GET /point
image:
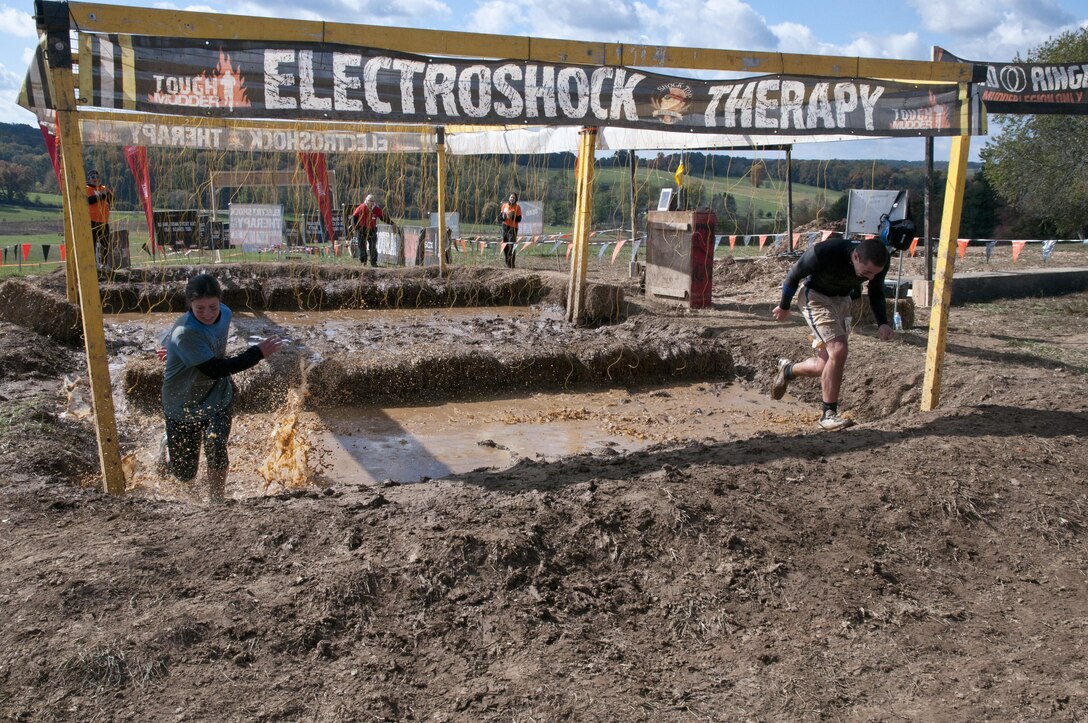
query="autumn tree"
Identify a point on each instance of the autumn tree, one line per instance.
(15, 180)
(1036, 162)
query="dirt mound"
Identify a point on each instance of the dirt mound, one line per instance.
(756, 275)
(920, 565)
(26, 354)
(47, 313)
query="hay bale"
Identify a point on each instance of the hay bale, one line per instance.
(42, 311)
(863, 312)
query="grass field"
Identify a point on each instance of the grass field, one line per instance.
(34, 253)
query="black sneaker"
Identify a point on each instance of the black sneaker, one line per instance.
(778, 387)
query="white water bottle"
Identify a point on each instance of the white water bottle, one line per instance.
(897, 319)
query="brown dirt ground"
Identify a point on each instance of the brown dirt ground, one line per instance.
(919, 566)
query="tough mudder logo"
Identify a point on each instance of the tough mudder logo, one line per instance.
(224, 88)
(935, 116)
(671, 102)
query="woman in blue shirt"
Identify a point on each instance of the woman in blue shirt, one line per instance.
(197, 392)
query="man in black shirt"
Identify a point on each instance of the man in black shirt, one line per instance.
(832, 272)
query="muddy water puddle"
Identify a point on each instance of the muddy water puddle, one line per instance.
(368, 445)
(406, 444)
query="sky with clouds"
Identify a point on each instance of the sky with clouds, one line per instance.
(993, 30)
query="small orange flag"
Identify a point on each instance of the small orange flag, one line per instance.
(913, 247)
(1017, 247)
(961, 244)
(762, 240)
(617, 251)
(732, 242)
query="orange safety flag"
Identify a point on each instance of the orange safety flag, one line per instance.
(1017, 247)
(463, 245)
(913, 246)
(826, 233)
(732, 242)
(63, 254)
(961, 244)
(762, 240)
(26, 251)
(617, 251)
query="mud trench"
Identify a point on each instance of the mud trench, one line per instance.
(395, 387)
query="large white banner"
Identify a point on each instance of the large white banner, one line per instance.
(255, 227)
(532, 218)
(453, 223)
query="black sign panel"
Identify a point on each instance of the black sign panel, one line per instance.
(179, 229)
(1036, 88)
(246, 79)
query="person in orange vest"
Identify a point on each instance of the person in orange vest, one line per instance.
(100, 198)
(365, 218)
(510, 217)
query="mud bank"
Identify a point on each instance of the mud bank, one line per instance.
(377, 358)
(272, 287)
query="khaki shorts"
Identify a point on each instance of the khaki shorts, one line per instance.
(827, 316)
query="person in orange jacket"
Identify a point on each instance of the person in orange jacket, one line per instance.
(100, 198)
(510, 217)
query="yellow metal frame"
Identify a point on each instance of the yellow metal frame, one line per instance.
(99, 18)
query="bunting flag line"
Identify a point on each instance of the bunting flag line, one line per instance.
(1017, 247)
(762, 240)
(732, 242)
(961, 245)
(990, 245)
(1048, 247)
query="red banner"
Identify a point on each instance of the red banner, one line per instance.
(51, 146)
(137, 162)
(318, 173)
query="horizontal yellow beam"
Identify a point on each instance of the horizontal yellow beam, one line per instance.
(95, 18)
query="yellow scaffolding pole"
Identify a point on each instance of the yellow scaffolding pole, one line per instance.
(85, 263)
(583, 218)
(946, 261)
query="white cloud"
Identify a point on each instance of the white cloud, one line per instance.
(708, 24)
(965, 17)
(18, 23)
(996, 30)
(499, 16)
